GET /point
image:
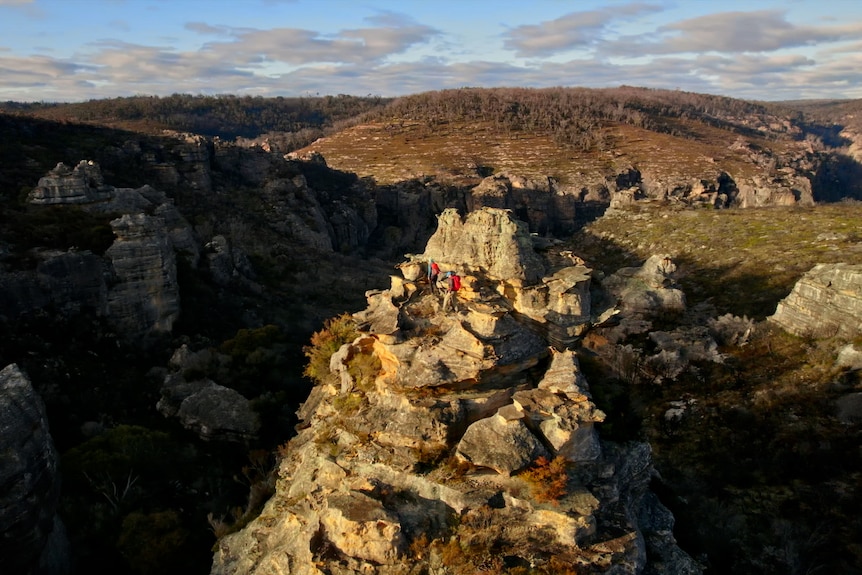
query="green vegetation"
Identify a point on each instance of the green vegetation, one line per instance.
(474, 543)
(573, 116)
(759, 473)
(741, 261)
(59, 228)
(336, 332)
(298, 120)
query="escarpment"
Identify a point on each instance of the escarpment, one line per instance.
(451, 440)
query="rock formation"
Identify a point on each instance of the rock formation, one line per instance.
(213, 411)
(32, 538)
(134, 284)
(430, 445)
(539, 203)
(146, 295)
(82, 184)
(826, 301)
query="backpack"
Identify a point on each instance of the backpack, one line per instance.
(456, 282)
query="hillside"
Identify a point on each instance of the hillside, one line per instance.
(581, 138)
(227, 117)
(272, 248)
(465, 134)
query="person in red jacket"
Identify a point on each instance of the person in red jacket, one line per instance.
(433, 275)
(451, 298)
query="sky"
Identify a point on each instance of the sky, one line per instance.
(77, 50)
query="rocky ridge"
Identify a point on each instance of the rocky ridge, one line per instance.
(415, 455)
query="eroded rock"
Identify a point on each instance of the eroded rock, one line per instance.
(825, 302)
(30, 531)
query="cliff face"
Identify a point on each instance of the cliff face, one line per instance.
(134, 285)
(430, 446)
(33, 538)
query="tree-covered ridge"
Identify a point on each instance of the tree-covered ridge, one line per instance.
(576, 116)
(226, 116)
(572, 116)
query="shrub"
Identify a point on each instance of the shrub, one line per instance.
(247, 341)
(547, 479)
(364, 369)
(336, 332)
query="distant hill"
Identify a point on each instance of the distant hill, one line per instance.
(571, 134)
(227, 116)
(566, 134)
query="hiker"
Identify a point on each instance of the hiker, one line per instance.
(433, 274)
(453, 285)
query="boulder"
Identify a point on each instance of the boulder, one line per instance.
(566, 425)
(212, 411)
(490, 240)
(546, 208)
(361, 527)
(849, 358)
(504, 445)
(82, 184)
(646, 290)
(825, 302)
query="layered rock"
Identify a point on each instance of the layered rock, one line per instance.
(417, 453)
(134, 285)
(546, 209)
(826, 301)
(82, 184)
(489, 240)
(146, 295)
(32, 538)
(494, 252)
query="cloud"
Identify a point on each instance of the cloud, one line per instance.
(390, 34)
(24, 76)
(571, 31)
(732, 32)
(207, 29)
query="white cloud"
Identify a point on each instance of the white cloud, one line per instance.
(733, 32)
(571, 31)
(759, 54)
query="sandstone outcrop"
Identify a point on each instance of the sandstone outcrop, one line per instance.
(134, 284)
(82, 184)
(145, 296)
(546, 209)
(416, 453)
(825, 302)
(212, 411)
(495, 253)
(32, 538)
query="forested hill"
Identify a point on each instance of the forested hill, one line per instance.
(227, 117)
(576, 116)
(573, 116)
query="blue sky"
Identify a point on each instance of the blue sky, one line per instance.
(73, 50)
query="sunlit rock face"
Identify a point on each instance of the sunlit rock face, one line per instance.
(826, 301)
(423, 439)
